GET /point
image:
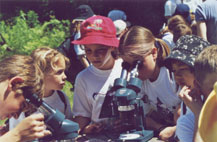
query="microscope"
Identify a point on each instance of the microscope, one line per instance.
(61, 128)
(122, 102)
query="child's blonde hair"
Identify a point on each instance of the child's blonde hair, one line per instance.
(139, 41)
(46, 58)
(206, 63)
(24, 67)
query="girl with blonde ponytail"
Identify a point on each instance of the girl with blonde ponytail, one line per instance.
(159, 86)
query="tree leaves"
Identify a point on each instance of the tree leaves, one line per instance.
(24, 33)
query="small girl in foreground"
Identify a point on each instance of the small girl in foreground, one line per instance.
(53, 64)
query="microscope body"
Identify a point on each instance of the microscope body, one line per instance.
(61, 128)
(127, 106)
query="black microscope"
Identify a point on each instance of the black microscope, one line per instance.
(61, 128)
(122, 102)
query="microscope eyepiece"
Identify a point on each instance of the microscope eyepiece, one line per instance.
(126, 66)
(137, 64)
(34, 99)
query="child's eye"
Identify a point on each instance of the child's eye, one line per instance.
(100, 51)
(60, 72)
(184, 70)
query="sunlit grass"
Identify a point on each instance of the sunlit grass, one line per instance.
(68, 91)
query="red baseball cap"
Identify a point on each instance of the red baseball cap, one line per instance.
(98, 30)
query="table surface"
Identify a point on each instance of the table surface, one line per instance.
(104, 138)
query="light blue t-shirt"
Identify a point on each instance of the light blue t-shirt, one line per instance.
(207, 12)
(185, 127)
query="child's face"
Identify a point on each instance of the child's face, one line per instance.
(11, 104)
(183, 74)
(55, 79)
(147, 69)
(100, 56)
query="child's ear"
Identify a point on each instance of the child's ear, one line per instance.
(154, 53)
(15, 80)
(11, 83)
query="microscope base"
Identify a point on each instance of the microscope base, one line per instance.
(137, 136)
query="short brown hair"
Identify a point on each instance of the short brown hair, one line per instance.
(22, 66)
(206, 63)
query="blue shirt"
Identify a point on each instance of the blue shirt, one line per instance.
(207, 12)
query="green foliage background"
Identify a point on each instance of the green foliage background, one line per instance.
(24, 33)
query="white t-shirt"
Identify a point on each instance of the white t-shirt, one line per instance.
(93, 81)
(55, 102)
(163, 89)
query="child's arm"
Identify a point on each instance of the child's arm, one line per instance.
(193, 100)
(165, 132)
(86, 127)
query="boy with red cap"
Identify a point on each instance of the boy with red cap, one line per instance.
(98, 35)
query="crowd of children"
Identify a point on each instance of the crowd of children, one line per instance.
(177, 76)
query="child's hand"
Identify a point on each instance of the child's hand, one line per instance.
(192, 99)
(31, 127)
(167, 133)
(93, 128)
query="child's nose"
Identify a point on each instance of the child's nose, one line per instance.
(64, 76)
(96, 54)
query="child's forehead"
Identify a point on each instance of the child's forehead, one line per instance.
(58, 63)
